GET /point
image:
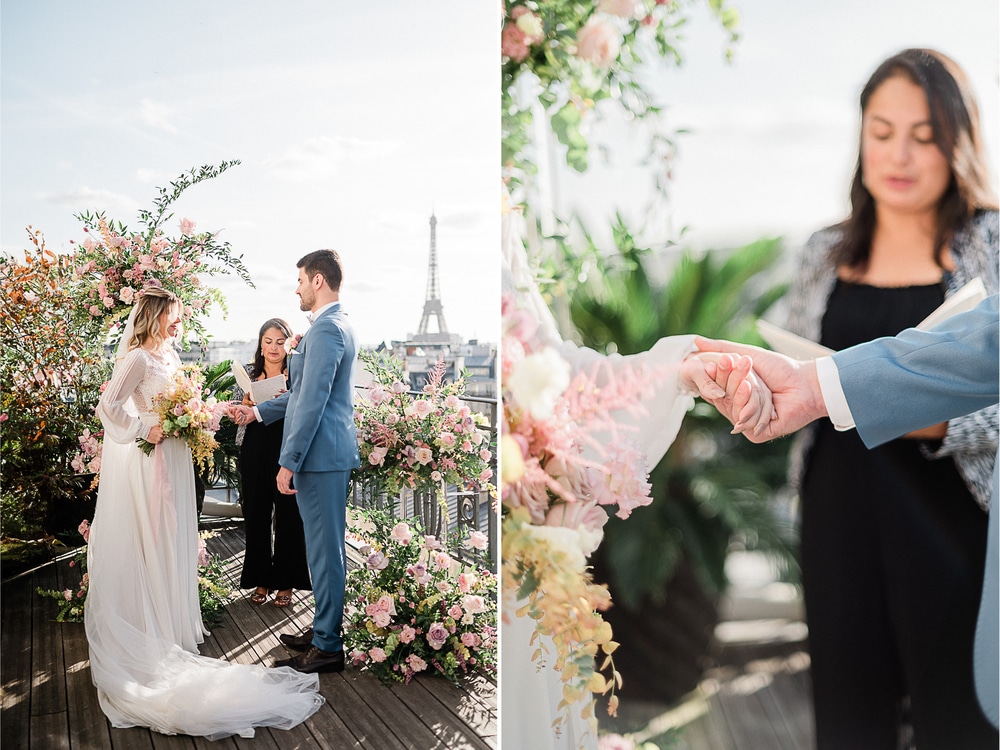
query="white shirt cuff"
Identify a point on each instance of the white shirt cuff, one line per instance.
(256, 413)
(833, 394)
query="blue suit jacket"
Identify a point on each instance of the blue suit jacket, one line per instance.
(917, 379)
(318, 408)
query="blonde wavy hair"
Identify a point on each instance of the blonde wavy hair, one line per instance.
(151, 305)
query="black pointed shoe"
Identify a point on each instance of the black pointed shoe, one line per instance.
(299, 641)
(315, 660)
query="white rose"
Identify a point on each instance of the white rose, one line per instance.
(538, 381)
(565, 543)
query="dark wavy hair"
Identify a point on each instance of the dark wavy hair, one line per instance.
(258, 357)
(955, 122)
(326, 262)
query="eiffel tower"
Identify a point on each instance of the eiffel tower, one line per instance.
(432, 303)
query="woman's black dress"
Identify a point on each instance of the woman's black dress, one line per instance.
(893, 547)
(281, 566)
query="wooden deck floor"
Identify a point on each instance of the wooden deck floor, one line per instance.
(49, 700)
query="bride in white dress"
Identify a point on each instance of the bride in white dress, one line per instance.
(142, 614)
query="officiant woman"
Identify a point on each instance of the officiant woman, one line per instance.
(894, 539)
(275, 557)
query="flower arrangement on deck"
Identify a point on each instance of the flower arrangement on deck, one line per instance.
(564, 464)
(412, 607)
(419, 441)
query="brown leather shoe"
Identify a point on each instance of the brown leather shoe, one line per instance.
(315, 660)
(299, 641)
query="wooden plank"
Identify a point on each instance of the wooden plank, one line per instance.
(447, 729)
(742, 714)
(88, 728)
(364, 723)
(383, 701)
(48, 672)
(133, 738)
(15, 637)
(171, 741)
(790, 708)
(466, 707)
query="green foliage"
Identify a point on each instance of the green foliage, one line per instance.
(568, 83)
(712, 489)
(219, 382)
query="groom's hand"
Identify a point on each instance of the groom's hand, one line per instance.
(794, 387)
(733, 388)
(285, 481)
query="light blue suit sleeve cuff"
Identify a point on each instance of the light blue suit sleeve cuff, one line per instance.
(833, 394)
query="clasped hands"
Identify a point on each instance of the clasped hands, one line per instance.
(764, 394)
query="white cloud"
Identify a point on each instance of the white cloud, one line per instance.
(85, 198)
(322, 157)
(157, 114)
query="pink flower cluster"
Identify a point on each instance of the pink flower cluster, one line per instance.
(89, 457)
(420, 608)
(419, 441)
(566, 463)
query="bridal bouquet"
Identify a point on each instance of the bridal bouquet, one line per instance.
(186, 415)
(565, 462)
(419, 441)
(412, 607)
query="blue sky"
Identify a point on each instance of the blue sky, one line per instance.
(773, 136)
(352, 120)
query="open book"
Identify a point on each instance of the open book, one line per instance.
(798, 347)
(259, 390)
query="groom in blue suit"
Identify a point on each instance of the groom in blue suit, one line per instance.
(886, 388)
(318, 450)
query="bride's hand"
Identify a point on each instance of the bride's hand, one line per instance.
(747, 402)
(155, 435)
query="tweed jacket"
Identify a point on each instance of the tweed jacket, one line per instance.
(971, 440)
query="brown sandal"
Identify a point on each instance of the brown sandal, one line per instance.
(257, 597)
(283, 600)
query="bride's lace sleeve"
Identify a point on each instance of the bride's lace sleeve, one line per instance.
(119, 425)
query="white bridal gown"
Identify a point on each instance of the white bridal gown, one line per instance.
(532, 693)
(142, 616)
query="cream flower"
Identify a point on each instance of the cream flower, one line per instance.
(538, 381)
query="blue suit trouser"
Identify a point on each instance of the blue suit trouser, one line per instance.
(322, 500)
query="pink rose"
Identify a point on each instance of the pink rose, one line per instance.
(95, 310)
(443, 586)
(377, 561)
(421, 407)
(455, 612)
(466, 581)
(512, 44)
(485, 475)
(108, 302)
(382, 619)
(399, 387)
(479, 540)
(452, 401)
(377, 456)
(598, 42)
(127, 294)
(423, 456)
(407, 634)
(95, 466)
(68, 595)
(401, 533)
(447, 438)
(416, 663)
(187, 227)
(377, 655)
(485, 454)
(471, 640)
(358, 657)
(436, 476)
(442, 560)
(431, 542)
(437, 635)
(474, 605)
